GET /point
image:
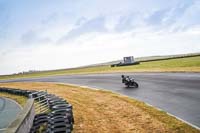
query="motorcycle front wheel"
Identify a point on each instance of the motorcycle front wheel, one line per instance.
(135, 85)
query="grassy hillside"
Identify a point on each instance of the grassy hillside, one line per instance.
(151, 58)
(186, 64)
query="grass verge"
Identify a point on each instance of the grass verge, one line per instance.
(105, 112)
(19, 99)
(187, 64)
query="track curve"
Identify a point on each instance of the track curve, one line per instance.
(8, 112)
(3, 101)
(176, 93)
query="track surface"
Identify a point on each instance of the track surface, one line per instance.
(176, 93)
(8, 112)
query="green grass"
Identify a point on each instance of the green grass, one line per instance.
(187, 64)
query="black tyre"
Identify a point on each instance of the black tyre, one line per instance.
(136, 85)
(127, 86)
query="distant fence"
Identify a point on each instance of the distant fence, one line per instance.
(24, 120)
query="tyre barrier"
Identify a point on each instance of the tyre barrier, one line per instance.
(59, 119)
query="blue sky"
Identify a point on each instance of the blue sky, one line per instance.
(53, 34)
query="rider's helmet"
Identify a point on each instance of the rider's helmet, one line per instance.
(122, 76)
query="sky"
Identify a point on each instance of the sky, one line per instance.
(54, 34)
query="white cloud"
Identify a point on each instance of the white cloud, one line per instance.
(100, 47)
(97, 31)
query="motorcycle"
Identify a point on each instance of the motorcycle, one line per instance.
(129, 82)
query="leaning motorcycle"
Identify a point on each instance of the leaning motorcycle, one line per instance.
(129, 82)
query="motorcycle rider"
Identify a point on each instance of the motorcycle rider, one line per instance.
(126, 79)
(123, 79)
(129, 81)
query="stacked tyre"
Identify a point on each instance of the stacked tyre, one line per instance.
(16, 91)
(60, 119)
(39, 120)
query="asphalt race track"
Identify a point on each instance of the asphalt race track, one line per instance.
(8, 112)
(176, 93)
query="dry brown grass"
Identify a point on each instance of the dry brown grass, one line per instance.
(19, 99)
(98, 111)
